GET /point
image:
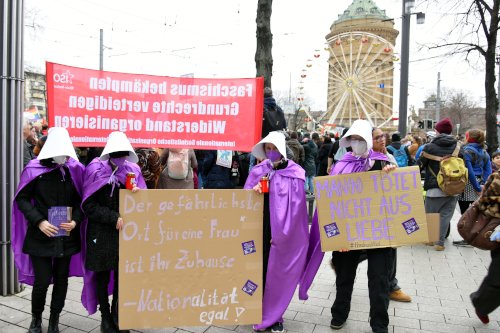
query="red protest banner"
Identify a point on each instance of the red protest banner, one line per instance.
(155, 111)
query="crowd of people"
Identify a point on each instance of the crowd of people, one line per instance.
(88, 180)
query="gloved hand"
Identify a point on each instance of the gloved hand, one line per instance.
(495, 236)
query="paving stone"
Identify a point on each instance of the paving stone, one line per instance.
(12, 316)
(443, 327)
(79, 322)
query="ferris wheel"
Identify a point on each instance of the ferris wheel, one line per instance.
(360, 79)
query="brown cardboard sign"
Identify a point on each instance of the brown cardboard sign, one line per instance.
(371, 209)
(190, 258)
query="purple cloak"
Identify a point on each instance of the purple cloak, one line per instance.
(96, 176)
(20, 225)
(289, 233)
(348, 164)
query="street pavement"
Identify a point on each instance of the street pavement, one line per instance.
(438, 282)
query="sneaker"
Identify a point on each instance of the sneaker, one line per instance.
(439, 247)
(461, 243)
(277, 328)
(484, 318)
(399, 296)
(336, 325)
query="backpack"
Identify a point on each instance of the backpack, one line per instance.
(178, 163)
(272, 120)
(453, 175)
(400, 155)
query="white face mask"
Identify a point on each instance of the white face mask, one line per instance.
(359, 147)
(59, 159)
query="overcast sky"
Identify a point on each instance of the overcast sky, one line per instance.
(216, 39)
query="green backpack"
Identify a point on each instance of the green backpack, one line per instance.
(453, 175)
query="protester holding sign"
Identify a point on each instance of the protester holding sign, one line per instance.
(361, 159)
(285, 226)
(395, 292)
(104, 177)
(43, 251)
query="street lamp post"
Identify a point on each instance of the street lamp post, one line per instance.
(405, 60)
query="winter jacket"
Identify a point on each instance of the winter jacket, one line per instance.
(102, 236)
(311, 153)
(441, 145)
(323, 158)
(298, 151)
(47, 190)
(215, 176)
(270, 104)
(478, 163)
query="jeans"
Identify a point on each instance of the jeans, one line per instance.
(309, 187)
(49, 269)
(379, 263)
(445, 206)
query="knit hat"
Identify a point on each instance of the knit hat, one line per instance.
(396, 137)
(444, 126)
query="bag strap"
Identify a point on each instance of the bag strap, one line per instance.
(457, 149)
(432, 157)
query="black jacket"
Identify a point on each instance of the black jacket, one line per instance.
(102, 237)
(45, 191)
(311, 152)
(215, 176)
(323, 158)
(441, 145)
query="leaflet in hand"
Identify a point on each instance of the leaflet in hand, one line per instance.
(58, 215)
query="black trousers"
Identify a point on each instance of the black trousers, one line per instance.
(464, 205)
(487, 298)
(379, 265)
(102, 284)
(47, 270)
(393, 281)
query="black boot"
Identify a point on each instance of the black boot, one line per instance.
(114, 314)
(36, 324)
(107, 324)
(53, 323)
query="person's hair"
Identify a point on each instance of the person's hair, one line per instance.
(315, 136)
(268, 92)
(417, 139)
(495, 154)
(294, 135)
(327, 139)
(476, 135)
(39, 145)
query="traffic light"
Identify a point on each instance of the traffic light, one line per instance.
(429, 124)
(421, 124)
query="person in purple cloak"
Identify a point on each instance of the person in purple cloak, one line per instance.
(285, 237)
(361, 159)
(104, 177)
(44, 252)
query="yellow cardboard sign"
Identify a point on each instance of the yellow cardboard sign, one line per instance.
(190, 258)
(371, 209)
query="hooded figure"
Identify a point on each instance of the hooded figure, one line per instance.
(104, 177)
(43, 249)
(361, 159)
(285, 227)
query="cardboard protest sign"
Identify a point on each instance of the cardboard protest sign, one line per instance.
(371, 209)
(190, 258)
(433, 226)
(155, 111)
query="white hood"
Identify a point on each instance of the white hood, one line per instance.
(359, 127)
(58, 144)
(277, 139)
(118, 141)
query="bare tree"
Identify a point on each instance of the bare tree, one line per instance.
(478, 25)
(460, 108)
(263, 53)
